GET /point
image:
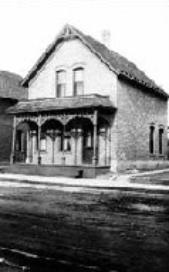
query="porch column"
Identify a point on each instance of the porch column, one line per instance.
(39, 137)
(28, 147)
(31, 145)
(95, 139)
(63, 151)
(76, 133)
(12, 157)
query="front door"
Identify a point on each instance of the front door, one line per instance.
(21, 146)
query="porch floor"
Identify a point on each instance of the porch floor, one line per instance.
(76, 171)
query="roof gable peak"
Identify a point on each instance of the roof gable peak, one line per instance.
(67, 31)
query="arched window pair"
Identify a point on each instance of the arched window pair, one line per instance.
(78, 82)
(160, 139)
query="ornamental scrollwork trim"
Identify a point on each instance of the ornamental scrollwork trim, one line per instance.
(26, 118)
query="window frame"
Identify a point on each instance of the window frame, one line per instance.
(63, 139)
(75, 89)
(61, 84)
(43, 137)
(151, 140)
(160, 138)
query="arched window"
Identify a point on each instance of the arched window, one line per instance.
(151, 140)
(60, 83)
(78, 81)
(161, 131)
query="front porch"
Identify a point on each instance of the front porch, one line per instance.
(77, 141)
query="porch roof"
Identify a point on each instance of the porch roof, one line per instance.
(66, 103)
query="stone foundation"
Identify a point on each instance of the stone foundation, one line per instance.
(123, 166)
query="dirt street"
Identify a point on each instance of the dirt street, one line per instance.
(52, 230)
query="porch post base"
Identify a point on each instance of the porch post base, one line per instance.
(94, 161)
(39, 160)
(63, 160)
(12, 159)
(113, 166)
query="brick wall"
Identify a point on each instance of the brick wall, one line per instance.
(137, 109)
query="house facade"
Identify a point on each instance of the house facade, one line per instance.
(88, 108)
(10, 93)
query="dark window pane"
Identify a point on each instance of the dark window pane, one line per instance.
(161, 141)
(78, 81)
(61, 83)
(78, 88)
(151, 140)
(61, 90)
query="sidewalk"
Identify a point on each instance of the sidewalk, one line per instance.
(114, 182)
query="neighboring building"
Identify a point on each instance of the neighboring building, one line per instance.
(89, 108)
(10, 93)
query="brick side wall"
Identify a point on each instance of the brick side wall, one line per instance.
(6, 123)
(136, 111)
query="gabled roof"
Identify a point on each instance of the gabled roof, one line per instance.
(122, 67)
(66, 103)
(10, 86)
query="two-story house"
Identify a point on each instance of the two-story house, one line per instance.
(88, 108)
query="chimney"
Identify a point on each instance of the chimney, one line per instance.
(106, 37)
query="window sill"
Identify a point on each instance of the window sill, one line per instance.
(67, 152)
(152, 155)
(161, 156)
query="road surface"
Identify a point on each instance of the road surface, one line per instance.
(45, 229)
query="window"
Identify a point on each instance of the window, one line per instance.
(78, 85)
(161, 131)
(88, 141)
(65, 142)
(151, 140)
(20, 141)
(60, 83)
(43, 143)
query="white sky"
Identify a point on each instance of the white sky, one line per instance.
(139, 30)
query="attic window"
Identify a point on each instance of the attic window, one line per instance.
(78, 84)
(60, 83)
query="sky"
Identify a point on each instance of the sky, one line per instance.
(139, 31)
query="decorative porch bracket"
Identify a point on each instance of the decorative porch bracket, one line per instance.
(65, 118)
(26, 118)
